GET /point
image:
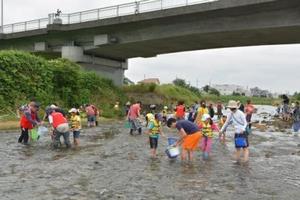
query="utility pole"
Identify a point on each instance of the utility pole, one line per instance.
(2, 16)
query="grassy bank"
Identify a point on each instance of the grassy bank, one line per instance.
(24, 76)
(159, 94)
(169, 93)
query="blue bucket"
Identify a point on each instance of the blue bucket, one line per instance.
(172, 140)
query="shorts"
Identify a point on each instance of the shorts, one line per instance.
(248, 118)
(91, 118)
(135, 124)
(76, 134)
(296, 126)
(244, 135)
(191, 142)
(63, 128)
(153, 142)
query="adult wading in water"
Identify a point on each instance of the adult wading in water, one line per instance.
(28, 121)
(190, 136)
(60, 127)
(238, 119)
(133, 117)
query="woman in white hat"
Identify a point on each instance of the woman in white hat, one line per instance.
(238, 119)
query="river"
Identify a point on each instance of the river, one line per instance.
(110, 164)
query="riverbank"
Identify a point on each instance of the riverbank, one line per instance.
(167, 94)
(14, 125)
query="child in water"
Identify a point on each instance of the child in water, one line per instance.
(208, 127)
(154, 130)
(222, 134)
(150, 115)
(75, 125)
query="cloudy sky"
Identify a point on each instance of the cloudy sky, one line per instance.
(276, 68)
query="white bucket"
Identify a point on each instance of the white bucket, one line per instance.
(42, 131)
(173, 152)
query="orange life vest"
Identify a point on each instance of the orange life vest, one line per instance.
(58, 119)
(25, 123)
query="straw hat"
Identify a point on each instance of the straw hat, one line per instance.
(232, 104)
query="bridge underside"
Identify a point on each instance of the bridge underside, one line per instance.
(151, 48)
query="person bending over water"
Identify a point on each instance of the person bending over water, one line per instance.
(190, 136)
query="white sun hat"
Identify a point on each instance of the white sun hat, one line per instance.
(73, 110)
(205, 117)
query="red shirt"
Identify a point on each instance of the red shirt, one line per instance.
(134, 111)
(90, 110)
(180, 111)
(249, 109)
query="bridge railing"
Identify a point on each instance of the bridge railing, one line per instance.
(142, 6)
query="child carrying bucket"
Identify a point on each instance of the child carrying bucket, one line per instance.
(154, 130)
(207, 127)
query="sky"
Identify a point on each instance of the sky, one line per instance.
(276, 68)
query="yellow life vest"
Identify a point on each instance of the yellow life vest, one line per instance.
(155, 130)
(150, 117)
(200, 112)
(207, 130)
(75, 122)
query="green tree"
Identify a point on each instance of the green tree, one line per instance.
(214, 91)
(180, 82)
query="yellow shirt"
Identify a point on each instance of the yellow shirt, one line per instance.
(75, 122)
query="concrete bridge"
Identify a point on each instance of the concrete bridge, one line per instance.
(103, 39)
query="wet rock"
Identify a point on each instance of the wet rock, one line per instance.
(269, 155)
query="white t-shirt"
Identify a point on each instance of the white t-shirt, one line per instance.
(50, 118)
(238, 119)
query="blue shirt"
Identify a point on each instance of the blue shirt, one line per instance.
(189, 127)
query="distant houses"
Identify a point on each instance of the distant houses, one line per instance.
(257, 92)
(150, 81)
(230, 89)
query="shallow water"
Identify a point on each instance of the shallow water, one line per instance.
(110, 164)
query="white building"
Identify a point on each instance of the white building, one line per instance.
(229, 89)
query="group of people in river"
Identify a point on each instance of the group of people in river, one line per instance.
(60, 123)
(198, 124)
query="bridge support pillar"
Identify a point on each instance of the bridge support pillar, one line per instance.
(108, 68)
